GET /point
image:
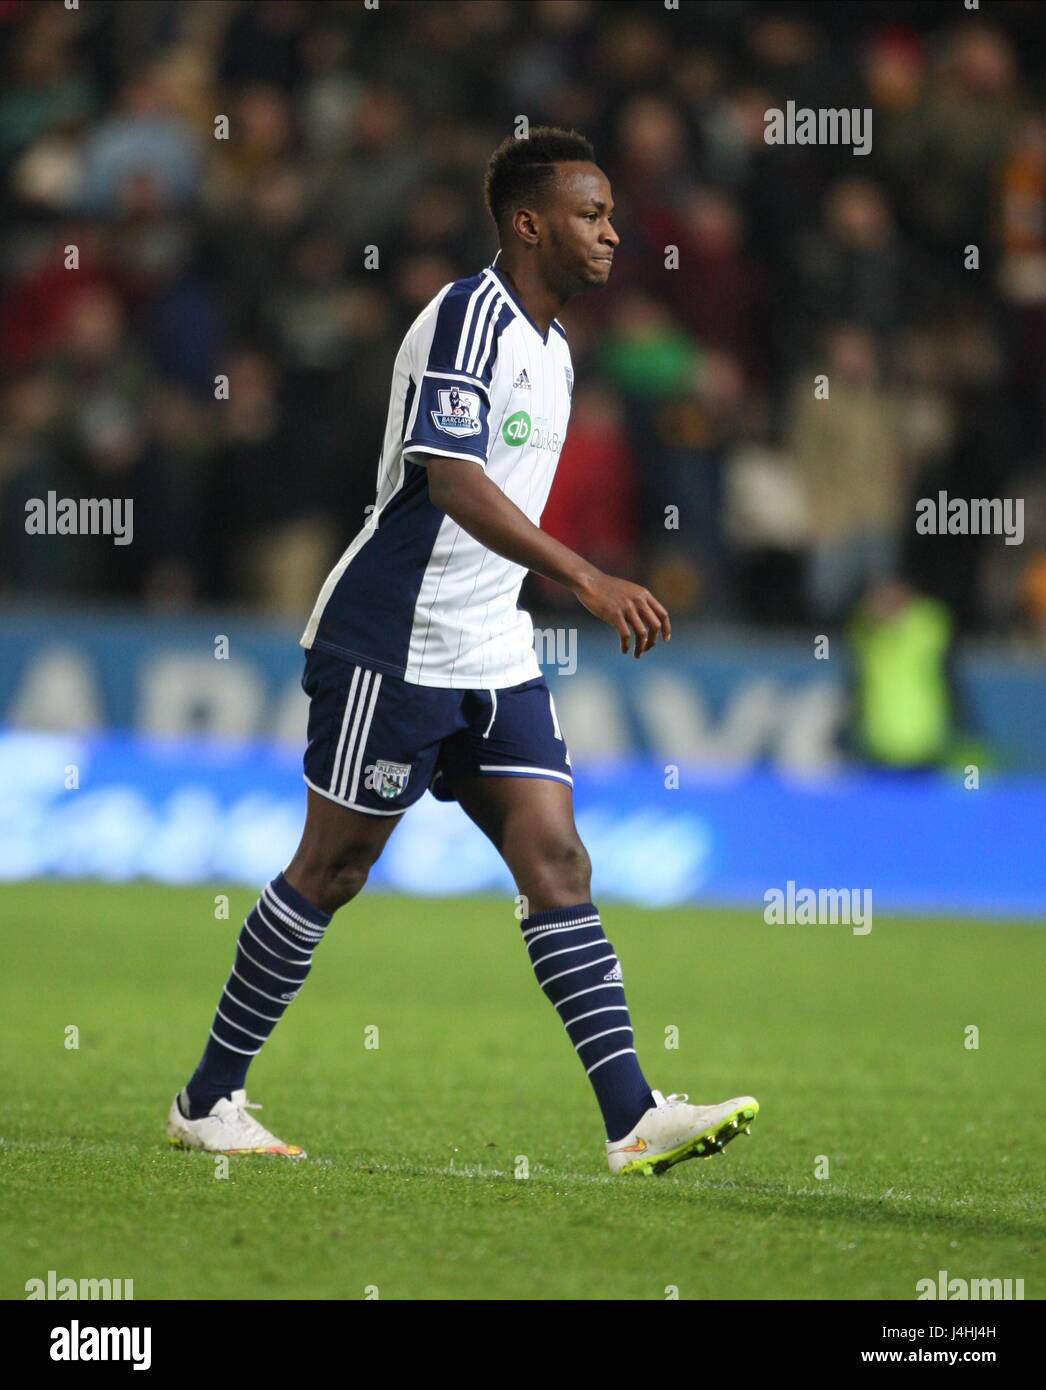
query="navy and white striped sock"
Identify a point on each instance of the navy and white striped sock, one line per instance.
(273, 958)
(576, 967)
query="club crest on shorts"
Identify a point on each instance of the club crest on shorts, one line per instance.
(387, 779)
(458, 412)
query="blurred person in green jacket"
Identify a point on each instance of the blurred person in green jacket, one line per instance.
(905, 706)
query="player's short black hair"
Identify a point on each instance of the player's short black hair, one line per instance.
(521, 171)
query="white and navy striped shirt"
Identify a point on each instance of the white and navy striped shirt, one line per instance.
(415, 595)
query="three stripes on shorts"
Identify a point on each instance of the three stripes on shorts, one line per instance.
(355, 728)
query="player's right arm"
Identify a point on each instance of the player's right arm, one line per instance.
(464, 492)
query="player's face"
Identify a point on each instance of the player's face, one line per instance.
(581, 240)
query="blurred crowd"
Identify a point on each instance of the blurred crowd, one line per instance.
(143, 256)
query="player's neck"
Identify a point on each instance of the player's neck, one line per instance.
(541, 303)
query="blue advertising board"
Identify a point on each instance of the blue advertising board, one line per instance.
(739, 700)
(120, 806)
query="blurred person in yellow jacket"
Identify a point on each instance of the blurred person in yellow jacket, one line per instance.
(905, 706)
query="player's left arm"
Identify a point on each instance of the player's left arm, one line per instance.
(464, 492)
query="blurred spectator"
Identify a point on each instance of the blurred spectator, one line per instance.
(694, 433)
(143, 155)
(263, 43)
(281, 542)
(45, 88)
(260, 144)
(847, 450)
(1022, 276)
(848, 270)
(32, 462)
(959, 137)
(765, 522)
(1032, 597)
(904, 705)
(593, 506)
(717, 289)
(646, 354)
(363, 195)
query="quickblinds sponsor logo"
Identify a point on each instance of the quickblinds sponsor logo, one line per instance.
(546, 439)
(516, 429)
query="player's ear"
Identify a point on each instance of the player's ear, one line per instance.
(525, 226)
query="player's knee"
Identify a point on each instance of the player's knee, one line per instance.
(579, 871)
(347, 874)
(333, 878)
(562, 876)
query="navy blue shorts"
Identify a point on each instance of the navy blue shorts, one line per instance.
(376, 741)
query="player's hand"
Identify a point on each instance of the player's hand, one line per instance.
(628, 608)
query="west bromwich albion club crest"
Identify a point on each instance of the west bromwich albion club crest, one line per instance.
(570, 382)
(458, 412)
(388, 779)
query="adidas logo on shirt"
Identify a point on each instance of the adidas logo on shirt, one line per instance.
(522, 381)
(614, 974)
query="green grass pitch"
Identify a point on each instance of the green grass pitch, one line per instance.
(854, 1047)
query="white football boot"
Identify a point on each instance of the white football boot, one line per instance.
(671, 1131)
(228, 1129)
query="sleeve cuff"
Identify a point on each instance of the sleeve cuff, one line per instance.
(445, 453)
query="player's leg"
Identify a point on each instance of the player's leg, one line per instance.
(363, 767)
(274, 950)
(337, 851)
(512, 776)
(530, 821)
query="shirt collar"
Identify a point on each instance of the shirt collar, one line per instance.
(511, 296)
